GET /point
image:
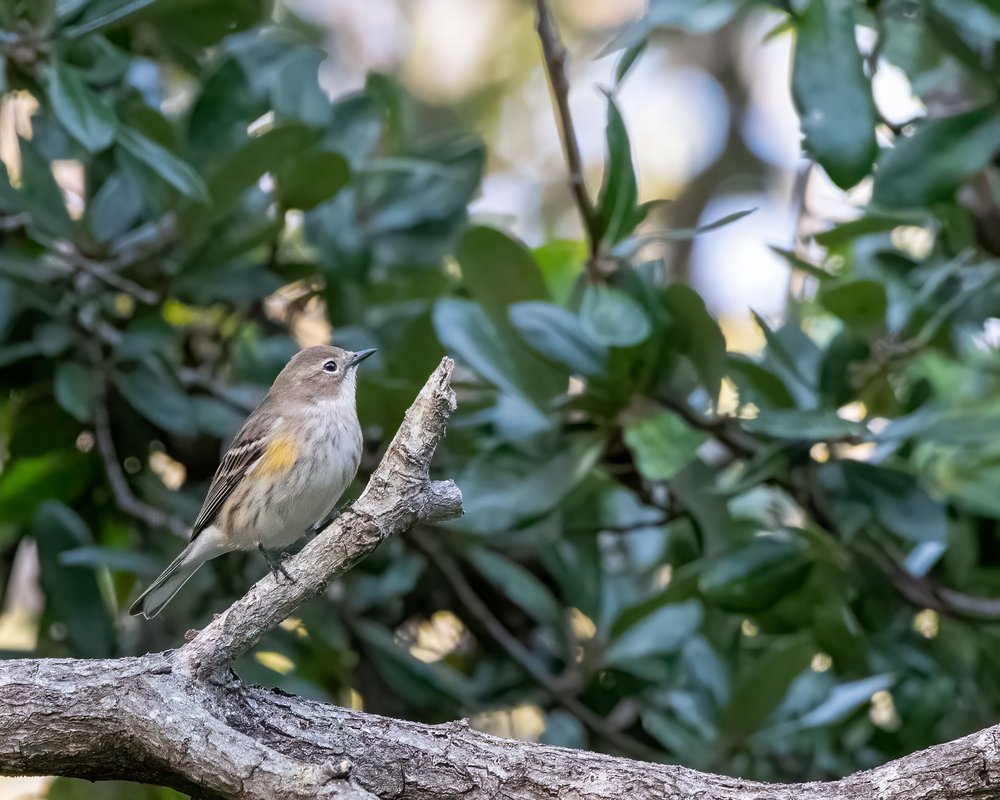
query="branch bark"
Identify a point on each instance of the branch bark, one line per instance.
(139, 719)
(183, 719)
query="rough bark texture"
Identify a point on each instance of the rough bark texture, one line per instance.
(183, 719)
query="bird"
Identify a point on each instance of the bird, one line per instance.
(283, 473)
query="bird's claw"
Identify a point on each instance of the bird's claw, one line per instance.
(275, 563)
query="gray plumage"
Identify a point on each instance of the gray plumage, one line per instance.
(286, 468)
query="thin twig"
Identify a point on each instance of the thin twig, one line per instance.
(721, 428)
(124, 498)
(523, 657)
(106, 275)
(241, 399)
(554, 56)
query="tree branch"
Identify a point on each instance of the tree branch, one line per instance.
(138, 719)
(182, 719)
(124, 499)
(524, 657)
(554, 58)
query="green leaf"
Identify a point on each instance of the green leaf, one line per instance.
(216, 418)
(679, 740)
(616, 210)
(76, 390)
(755, 577)
(53, 337)
(112, 13)
(39, 194)
(172, 169)
(27, 482)
(660, 633)
(929, 166)
(415, 191)
(557, 334)
(761, 689)
(831, 92)
(861, 303)
(757, 384)
(464, 329)
(797, 262)
(115, 206)
(869, 225)
(947, 426)
(844, 700)
(900, 504)
(502, 490)
(82, 111)
(520, 587)
(158, 397)
(629, 247)
(295, 91)
(12, 353)
(72, 594)
(112, 558)
(272, 151)
(801, 425)
(794, 358)
(611, 317)
(662, 444)
(980, 16)
(312, 179)
(697, 335)
(498, 271)
(562, 264)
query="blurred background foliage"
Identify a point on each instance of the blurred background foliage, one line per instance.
(766, 547)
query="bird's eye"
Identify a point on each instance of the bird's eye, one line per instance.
(330, 366)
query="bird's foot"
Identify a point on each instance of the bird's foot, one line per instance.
(274, 562)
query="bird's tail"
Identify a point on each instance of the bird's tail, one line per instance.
(162, 590)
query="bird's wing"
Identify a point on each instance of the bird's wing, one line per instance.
(249, 445)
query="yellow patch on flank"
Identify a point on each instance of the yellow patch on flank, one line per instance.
(278, 458)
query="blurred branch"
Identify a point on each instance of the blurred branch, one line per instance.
(554, 56)
(184, 719)
(721, 428)
(124, 499)
(108, 276)
(522, 656)
(240, 399)
(921, 591)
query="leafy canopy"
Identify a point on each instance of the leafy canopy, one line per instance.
(729, 588)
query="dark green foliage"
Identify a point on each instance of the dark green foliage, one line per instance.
(675, 559)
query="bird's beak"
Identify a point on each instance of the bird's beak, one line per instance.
(360, 356)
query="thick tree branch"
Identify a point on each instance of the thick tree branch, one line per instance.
(182, 719)
(137, 719)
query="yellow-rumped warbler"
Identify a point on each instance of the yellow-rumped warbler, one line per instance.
(284, 471)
